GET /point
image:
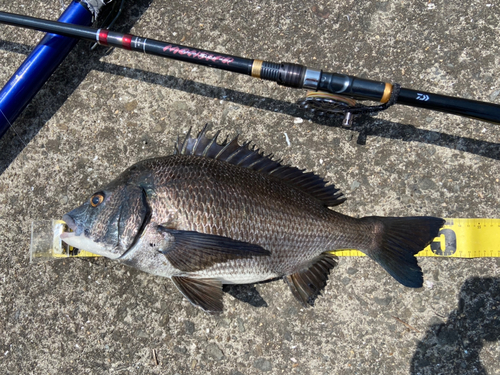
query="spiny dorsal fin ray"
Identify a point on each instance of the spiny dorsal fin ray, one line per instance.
(250, 157)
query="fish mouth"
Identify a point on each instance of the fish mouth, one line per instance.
(71, 225)
(67, 236)
(83, 242)
(70, 222)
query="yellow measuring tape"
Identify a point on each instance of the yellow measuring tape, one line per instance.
(459, 238)
(46, 243)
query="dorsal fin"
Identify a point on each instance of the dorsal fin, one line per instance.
(250, 157)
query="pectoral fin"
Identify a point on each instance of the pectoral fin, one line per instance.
(203, 293)
(191, 251)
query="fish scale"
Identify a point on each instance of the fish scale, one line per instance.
(214, 214)
(307, 235)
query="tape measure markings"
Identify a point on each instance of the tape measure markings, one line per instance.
(459, 238)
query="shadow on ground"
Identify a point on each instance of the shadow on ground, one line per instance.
(247, 293)
(455, 347)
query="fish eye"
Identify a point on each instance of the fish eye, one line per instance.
(96, 199)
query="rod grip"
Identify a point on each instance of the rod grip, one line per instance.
(285, 74)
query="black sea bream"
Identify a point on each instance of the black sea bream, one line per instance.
(214, 214)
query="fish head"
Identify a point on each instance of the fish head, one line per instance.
(110, 222)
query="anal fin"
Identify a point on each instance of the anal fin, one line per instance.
(203, 293)
(307, 283)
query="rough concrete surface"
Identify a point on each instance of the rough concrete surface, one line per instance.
(104, 110)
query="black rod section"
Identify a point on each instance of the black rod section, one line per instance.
(354, 87)
(286, 74)
(39, 24)
(457, 106)
(130, 42)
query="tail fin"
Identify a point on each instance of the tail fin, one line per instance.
(397, 240)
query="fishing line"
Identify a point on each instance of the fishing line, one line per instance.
(12, 127)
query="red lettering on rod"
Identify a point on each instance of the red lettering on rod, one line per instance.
(198, 54)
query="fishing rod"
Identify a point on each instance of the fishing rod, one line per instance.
(331, 93)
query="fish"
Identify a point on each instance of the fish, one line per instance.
(226, 213)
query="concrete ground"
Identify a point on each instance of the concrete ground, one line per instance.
(105, 110)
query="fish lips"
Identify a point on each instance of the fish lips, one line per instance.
(70, 222)
(80, 240)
